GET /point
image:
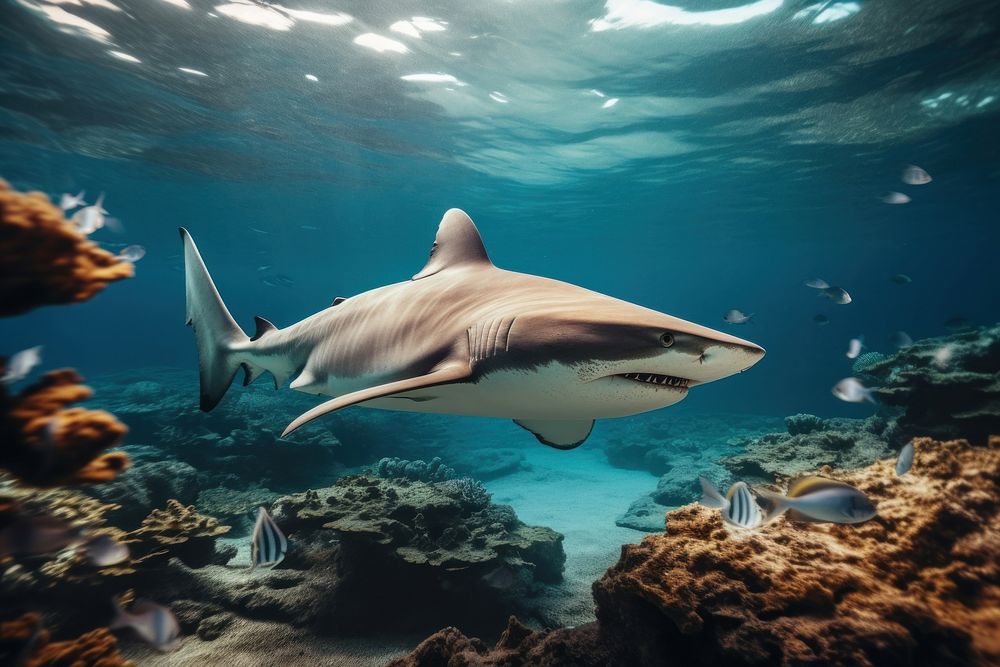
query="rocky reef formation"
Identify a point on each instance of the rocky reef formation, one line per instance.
(44, 259)
(418, 471)
(946, 387)
(179, 532)
(918, 584)
(24, 642)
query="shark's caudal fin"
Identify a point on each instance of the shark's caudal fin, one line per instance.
(214, 328)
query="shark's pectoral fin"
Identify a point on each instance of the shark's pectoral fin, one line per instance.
(558, 433)
(443, 375)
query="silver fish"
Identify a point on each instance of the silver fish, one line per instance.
(901, 339)
(901, 279)
(820, 319)
(855, 346)
(68, 201)
(735, 316)
(19, 365)
(738, 507)
(104, 551)
(836, 294)
(905, 460)
(31, 536)
(132, 253)
(896, 198)
(267, 543)
(914, 175)
(817, 283)
(90, 218)
(819, 500)
(852, 391)
(154, 623)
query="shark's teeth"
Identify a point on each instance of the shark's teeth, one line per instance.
(653, 378)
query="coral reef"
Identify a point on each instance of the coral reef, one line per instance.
(180, 532)
(44, 259)
(810, 443)
(947, 387)
(24, 642)
(442, 542)
(920, 583)
(417, 471)
(48, 444)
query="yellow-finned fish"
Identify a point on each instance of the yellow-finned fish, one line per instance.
(819, 500)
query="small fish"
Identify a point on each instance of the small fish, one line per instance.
(855, 346)
(19, 365)
(821, 320)
(90, 218)
(104, 551)
(132, 253)
(896, 198)
(942, 356)
(31, 536)
(260, 231)
(738, 506)
(914, 175)
(905, 460)
(68, 201)
(901, 339)
(820, 500)
(852, 391)
(267, 544)
(838, 295)
(957, 323)
(263, 267)
(901, 279)
(154, 623)
(817, 283)
(735, 316)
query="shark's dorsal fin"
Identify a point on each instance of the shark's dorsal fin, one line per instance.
(263, 327)
(451, 373)
(457, 244)
(558, 433)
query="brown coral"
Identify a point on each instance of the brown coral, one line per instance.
(178, 531)
(919, 584)
(25, 642)
(47, 444)
(44, 259)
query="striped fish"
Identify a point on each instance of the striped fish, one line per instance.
(739, 508)
(268, 544)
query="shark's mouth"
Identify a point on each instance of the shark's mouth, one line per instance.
(653, 378)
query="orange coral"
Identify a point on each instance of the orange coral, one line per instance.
(23, 641)
(46, 444)
(44, 259)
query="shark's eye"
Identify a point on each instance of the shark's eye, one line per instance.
(666, 340)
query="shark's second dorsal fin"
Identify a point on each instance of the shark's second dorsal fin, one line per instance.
(263, 327)
(457, 243)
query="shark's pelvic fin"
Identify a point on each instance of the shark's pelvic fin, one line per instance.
(444, 375)
(216, 333)
(457, 244)
(263, 327)
(558, 433)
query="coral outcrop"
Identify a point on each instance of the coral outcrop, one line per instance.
(24, 642)
(419, 471)
(444, 543)
(947, 387)
(180, 532)
(48, 444)
(918, 584)
(44, 259)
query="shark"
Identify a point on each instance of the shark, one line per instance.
(465, 337)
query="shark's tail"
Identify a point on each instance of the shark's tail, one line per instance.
(215, 330)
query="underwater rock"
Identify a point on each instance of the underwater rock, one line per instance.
(518, 645)
(47, 444)
(644, 514)
(24, 642)
(841, 443)
(235, 504)
(146, 486)
(947, 387)
(443, 543)
(44, 259)
(918, 583)
(488, 463)
(179, 532)
(417, 471)
(803, 423)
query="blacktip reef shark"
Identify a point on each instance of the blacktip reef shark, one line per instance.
(464, 337)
